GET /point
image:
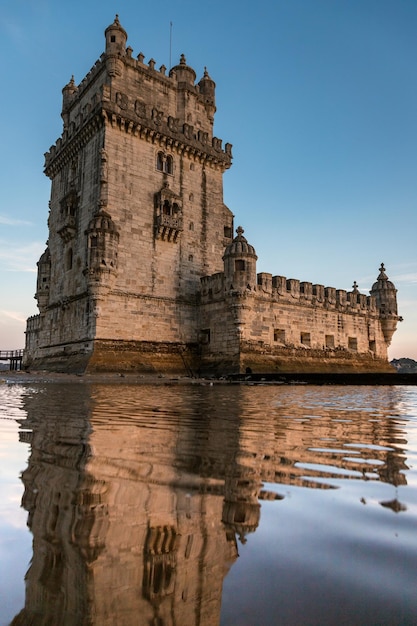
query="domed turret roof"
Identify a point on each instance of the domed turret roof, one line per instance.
(45, 257)
(102, 221)
(116, 26)
(184, 72)
(382, 281)
(240, 246)
(206, 83)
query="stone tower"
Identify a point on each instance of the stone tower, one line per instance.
(136, 216)
(141, 271)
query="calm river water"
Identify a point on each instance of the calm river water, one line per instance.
(195, 504)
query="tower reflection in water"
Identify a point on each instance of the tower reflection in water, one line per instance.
(136, 495)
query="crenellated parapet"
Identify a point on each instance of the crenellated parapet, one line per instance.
(212, 287)
(293, 291)
(298, 292)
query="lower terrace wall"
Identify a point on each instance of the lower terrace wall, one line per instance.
(264, 359)
(299, 324)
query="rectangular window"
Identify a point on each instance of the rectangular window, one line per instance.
(239, 265)
(329, 339)
(352, 343)
(228, 232)
(305, 339)
(279, 335)
(372, 346)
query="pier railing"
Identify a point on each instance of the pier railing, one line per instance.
(14, 357)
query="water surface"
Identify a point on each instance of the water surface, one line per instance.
(200, 504)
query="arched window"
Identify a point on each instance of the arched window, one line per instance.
(166, 208)
(160, 161)
(169, 165)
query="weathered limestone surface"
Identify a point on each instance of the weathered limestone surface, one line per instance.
(141, 271)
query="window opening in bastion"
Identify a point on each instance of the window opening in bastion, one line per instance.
(352, 343)
(306, 339)
(279, 335)
(329, 340)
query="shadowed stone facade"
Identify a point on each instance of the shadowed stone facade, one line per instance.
(141, 272)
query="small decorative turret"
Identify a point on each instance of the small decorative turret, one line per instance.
(44, 280)
(184, 73)
(207, 89)
(240, 263)
(103, 240)
(385, 295)
(68, 96)
(116, 38)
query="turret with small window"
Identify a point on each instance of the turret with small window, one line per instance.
(240, 263)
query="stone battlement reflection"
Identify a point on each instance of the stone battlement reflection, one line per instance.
(136, 496)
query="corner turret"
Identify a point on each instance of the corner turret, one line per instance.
(385, 295)
(207, 88)
(68, 96)
(103, 240)
(116, 38)
(43, 280)
(240, 263)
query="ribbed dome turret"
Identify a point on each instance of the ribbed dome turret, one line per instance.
(240, 246)
(68, 95)
(240, 263)
(385, 294)
(43, 280)
(382, 282)
(103, 239)
(45, 258)
(207, 88)
(102, 221)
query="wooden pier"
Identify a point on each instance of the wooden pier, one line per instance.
(14, 357)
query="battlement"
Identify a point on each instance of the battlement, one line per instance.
(280, 288)
(318, 295)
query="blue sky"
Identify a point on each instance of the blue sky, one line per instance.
(318, 98)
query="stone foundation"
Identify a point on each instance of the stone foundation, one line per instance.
(120, 356)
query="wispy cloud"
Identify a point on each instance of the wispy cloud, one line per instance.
(9, 221)
(409, 278)
(15, 316)
(19, 258)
